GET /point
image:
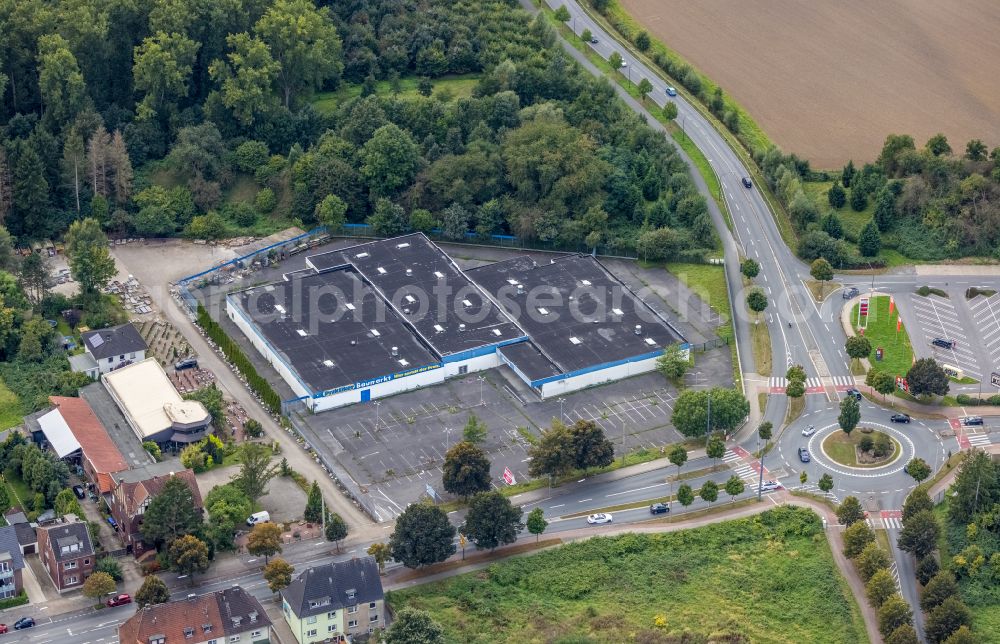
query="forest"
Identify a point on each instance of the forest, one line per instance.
(177, 117)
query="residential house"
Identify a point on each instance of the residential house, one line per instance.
(131, 494)
(99, 457)
(108, 349)
(334, 602)
(11, 563)
(66, 552)
(27, 540)
(223, 617)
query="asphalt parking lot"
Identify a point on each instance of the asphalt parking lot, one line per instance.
(938, 317)
(986, 316)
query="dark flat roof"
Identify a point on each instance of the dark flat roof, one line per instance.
(327, 343)
(444, 298)
(589, 316)
(529, 360)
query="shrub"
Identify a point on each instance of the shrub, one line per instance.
(265, 201)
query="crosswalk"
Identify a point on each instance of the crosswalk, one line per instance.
(779, 382)
(978, 440)
(813, 489)
(886, 520)
(738, 465)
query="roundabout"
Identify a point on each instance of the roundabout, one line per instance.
(904, 450)
(865, 447)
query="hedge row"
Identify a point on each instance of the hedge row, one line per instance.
(972, 401)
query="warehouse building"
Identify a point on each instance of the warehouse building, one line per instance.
(388, 316)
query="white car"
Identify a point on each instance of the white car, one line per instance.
(809, 431)
(768, 486)
(598, 519)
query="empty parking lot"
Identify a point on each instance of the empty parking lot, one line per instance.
(938, 317)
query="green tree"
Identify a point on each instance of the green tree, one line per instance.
(264, 540)
(831, 225)
(939, 588)
(171, 514)
(894, 613)
(256, 470)
(850, 414)
(562, 14)
(879, 588)
(591, 448)
(927, 378)
(422, 536)
(314, 504)
(536, 522)
(795, 388)
(715, 447)
(645, 87)
(336, 529)
(111, 567)
(246, 80)
(881, 381)
(60, 81)
(750, 268)
(492, 520)
(303, 41)
(918, 469)
(98, 585)
(962, 635)
(466, 469)
(850, 512)
(858, 347)
(152, 591)
(67, 503)
(756, 301)
(869, 242)
(920, 534)
(674, 363)
(586, 35)
(803, 477)
(678, 456)
(389, 160)
(690, 415)
(189, 555)
(709, 491)
(389, 219)
(946, 618)
(938, 145)
(836, 196)
(227, 508)
(685, 495)
(926, 569)
(821, 271)
(153, 449)
(872, 559)
(615, 60)
(642, 41)
(734, 486)
(553, 455)
(976, 487)
(381, 553)
(670, 111)
(475, 430)
(90, 262)
(859, 200)
(278, 574)
(825, 483)
(975, 150)
(413, 626)
(796, 372)
(904, 634)
(330, 212)
(162, 70)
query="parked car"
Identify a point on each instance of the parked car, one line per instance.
(186, 363)
(258, 517)
(671, 91)
(944, 343)
(804, 455)
(854, 393)
(79, 492)
(747, 183)
(767, 486)
(119, 600)
(597, 519)
(3, 629)
(24, 622)
(972, 420)
(900, 418)
(850, 291)
(659, 508)
(809, 431)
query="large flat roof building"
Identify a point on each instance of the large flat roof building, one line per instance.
(392, 315)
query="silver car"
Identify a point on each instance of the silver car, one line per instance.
(809, 431)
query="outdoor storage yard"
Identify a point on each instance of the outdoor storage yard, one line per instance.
(829, 81)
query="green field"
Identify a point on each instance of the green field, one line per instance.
(708, 281)
(881, 331)
(10, 408)
(841, 447)
(458, 86)
(769, 578)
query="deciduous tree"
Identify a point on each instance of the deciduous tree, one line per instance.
(685, 495)
(171, 514)
(389, 160)
(466, 470)
(821, 271)
(918, 469)
(336, 529)
(381, 553)
(927, 378)
(880, 587)
(939, 588)
(162, 70)
(413, 626)
(423, 536)
(278, 574)
(264, 540)
(246, 78)
(946, 618)
(872, 559)
(256, 470)
(858, 347)
(849, 512)
(89, 258)
(188, 555)
(735, 487)
(673, 364)
(709, 491)
(894, 613)
(750, 268)
(98, 585)
(152, 591)
(475, 430)
(850, 414)
(756, 301)
(492, 520)
(536, 522)
(919, 534)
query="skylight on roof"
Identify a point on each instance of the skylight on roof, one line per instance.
(381, 271)
(301, 332)
(404, 362)
(376, 333)
(403, 245)
(513, 282)
(438, 274)
(497, 332)
(543, 310)
(466, 303)
(651, 342)
(574, 339)
(349, 306)
(439, 328)
(410, 299)
(328, 363)
(279, 309)
(361, 255)
(617, 311)
(585, 282)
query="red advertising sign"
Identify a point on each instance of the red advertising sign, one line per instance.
(508, 476)
(863, 307)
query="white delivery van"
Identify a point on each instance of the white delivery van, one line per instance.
(258, 517)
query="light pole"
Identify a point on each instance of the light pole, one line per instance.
(482, 379)
(447, 436)
(377, 405)
(562, 418)
(624, 449)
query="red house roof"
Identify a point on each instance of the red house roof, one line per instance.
(94, 441)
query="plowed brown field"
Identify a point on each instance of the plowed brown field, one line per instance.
(829, 79)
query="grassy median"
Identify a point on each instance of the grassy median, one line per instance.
(880, 329)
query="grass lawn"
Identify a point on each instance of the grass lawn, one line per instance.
(881, 331)
(767, 578)
(841, 447)
(459, 86)
(708, 281)
(761, 341)
(18, 491)
(10, 408)
(795, 408)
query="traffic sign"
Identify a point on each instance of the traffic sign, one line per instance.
(995, 379)
(431, 492)
(508, 476)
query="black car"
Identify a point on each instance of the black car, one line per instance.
(944, 343)
(899, 418)
(972, 420)
(747, 183)
(593, 40)
(804, 455)
(24, 622)
(854, 393)
(850, 292)
(186, 363)
(658, 508)
(79, 492)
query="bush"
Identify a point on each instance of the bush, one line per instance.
(265, 201)
(19, 600)
(151, 568)
(250, 155)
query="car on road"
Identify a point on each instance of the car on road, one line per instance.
(747, 183)
(768, 486)
(809, 431)
(593, 40)
(850, 291)
(624, 64)
(3, 629)
(186, 363)
(658, 508)
(79, 492)
(804, 455)
(900, 418)
(24, 622)
(119, 600)
(671, 91)
(972, 420)
(854, 393)
(599, 518)
(944, 343)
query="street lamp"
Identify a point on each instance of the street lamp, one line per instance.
(377, 405)
(482, 379)
(447, 434)
(561, 416)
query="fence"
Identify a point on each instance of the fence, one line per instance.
(711, 344)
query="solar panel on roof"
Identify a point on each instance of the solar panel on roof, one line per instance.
(96, 340)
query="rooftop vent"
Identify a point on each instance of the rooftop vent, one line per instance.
(520, 289)
(376, 333)
(403, 245)
(461, 327)
(466, 303)
(409, 271)
(513, 282)
(438, 328)
(574, 340)
(638, 329)
(585, 282)
(279, 309)
(395, 351)
(329, 363)
(617, 311)
(651, 342)
(349, 306)
(438, 274)
(301, 332)
(361, 255)
(404, 362)
(410, 299)
(381, 271)
(543, 310)
(497, 332)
